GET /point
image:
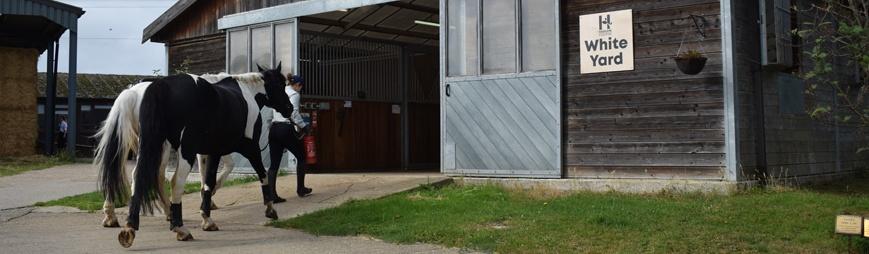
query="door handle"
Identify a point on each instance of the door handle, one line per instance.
(448, 90)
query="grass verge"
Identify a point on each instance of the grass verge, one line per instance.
(93, 201)
(17, 165)
(490, 218)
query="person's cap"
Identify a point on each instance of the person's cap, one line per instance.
(297, 79)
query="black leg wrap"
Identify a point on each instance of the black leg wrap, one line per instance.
(176, 216)
(206, 203)
(133, 221)
(273, 180)
(267, 193)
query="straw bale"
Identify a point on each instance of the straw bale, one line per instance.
(18, 123)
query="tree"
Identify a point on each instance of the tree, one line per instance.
(837, 45)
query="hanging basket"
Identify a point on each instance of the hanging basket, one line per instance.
(691, 65)
(691, 62)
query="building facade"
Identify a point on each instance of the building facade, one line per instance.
(533, 89)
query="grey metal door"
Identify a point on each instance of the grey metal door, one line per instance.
(502, 126)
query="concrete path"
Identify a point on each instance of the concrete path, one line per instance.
(240, 218)
(47, 184)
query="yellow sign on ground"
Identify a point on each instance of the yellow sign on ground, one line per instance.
(849, 225)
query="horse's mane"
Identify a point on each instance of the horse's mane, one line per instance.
(249, 79)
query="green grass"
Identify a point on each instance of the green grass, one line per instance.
(494, 219)
(93, 201)
(17, 165)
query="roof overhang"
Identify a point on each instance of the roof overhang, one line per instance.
(60, 13)
(291, 10)
(166, 18)
(35, 23)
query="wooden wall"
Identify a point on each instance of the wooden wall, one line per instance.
(424, 135)
(205, 54)
(370, 138)
(653, 122)
(795, 145)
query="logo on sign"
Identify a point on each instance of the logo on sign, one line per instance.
(605, 21)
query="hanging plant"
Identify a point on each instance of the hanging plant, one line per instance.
(691, 62)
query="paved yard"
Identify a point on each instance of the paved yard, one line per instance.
(240, 218)
(47, 184)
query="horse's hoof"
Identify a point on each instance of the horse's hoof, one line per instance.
(126, 237)
(182, 234)
(271, 213)
(183, 237)
(209, 226)
(111, 222)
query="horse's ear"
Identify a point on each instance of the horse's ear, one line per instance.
(279, 66)
(260, 68)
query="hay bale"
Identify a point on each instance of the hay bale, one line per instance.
(18, 123)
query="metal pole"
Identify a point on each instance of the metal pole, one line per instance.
(72, 108)
(405, 144)
(48, 107)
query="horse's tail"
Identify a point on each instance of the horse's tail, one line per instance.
(152, 137)
(118, 137)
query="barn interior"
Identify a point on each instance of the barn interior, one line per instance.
(372, 77)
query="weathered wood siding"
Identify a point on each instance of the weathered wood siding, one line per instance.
(206, 54)
(654, 121)
(796, 145)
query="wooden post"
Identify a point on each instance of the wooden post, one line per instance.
(48, 107)
(72, 108)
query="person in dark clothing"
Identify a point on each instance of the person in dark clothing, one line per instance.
(62, 129)
(286, 133)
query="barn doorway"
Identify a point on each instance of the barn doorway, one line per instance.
(372, 77)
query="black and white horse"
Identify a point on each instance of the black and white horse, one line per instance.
(129, 101)
(209, 115)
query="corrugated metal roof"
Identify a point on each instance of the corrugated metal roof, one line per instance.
(92, 85)
(60, 13)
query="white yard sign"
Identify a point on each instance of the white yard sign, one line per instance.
(606, 42)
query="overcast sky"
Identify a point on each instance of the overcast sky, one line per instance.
(110, 35)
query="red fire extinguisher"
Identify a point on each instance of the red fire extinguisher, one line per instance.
(310, 142)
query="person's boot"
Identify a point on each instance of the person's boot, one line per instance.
(279, 199)
(301, 190)
(304, 191)
(273, 181)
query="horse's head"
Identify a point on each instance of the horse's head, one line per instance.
(274, 85)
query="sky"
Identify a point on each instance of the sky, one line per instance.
(110, 36)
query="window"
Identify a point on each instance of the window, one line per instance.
(776, 33)
(538, 35)
(499, 36)
(510, 30)
(284, 42)
(238, 54)
(463, 16)
(265, 45)
(261, 50)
